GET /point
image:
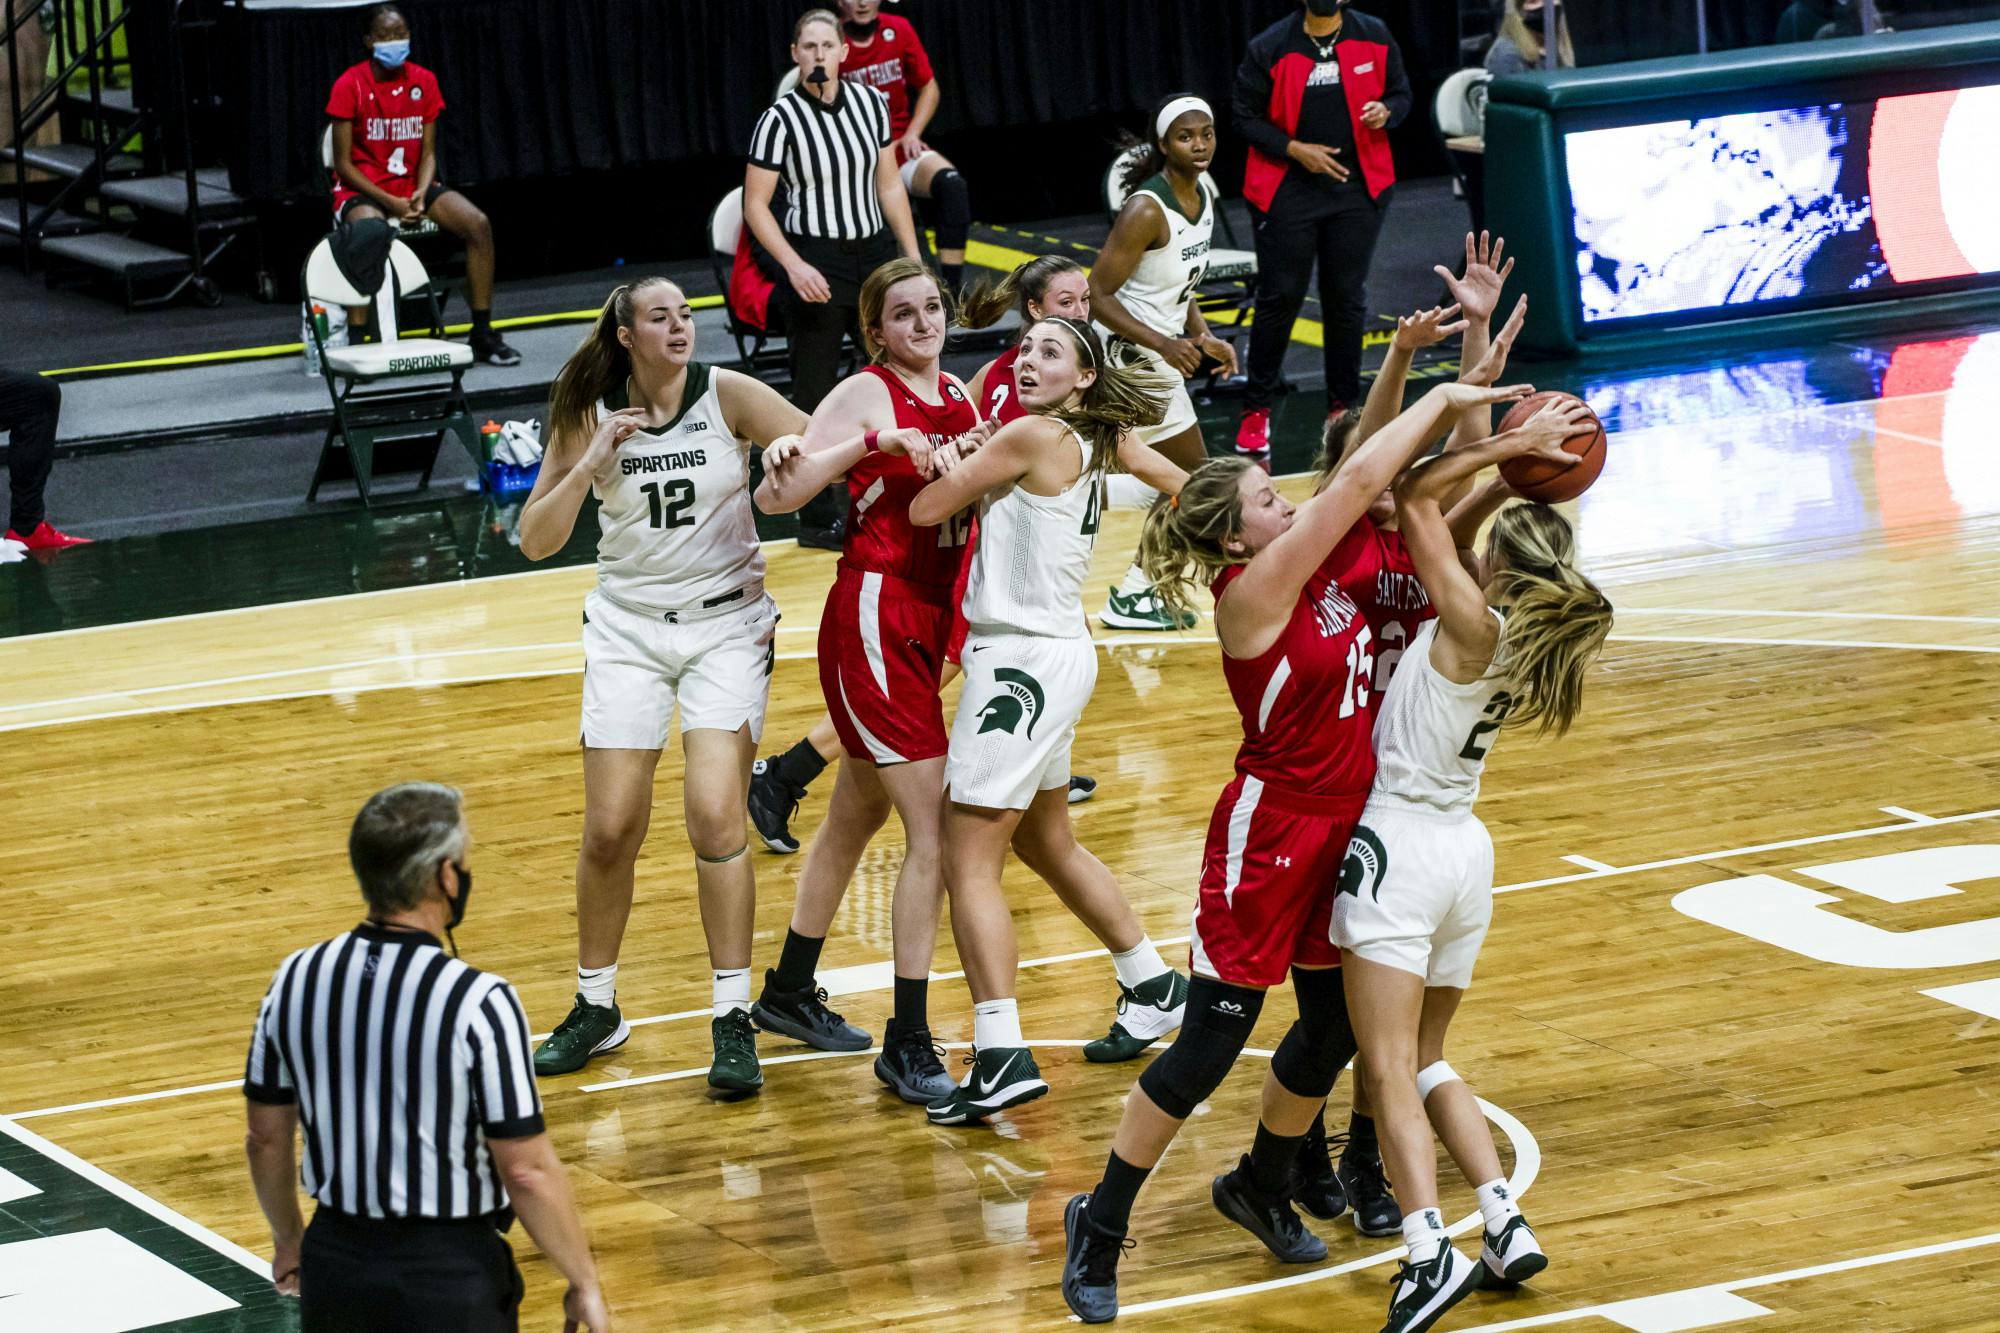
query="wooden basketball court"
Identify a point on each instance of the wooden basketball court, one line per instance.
(1738, 1020)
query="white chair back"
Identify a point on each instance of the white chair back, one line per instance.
(326, 148)
(1460, 105)
(725, 224)
(787, 83)
(1115, 193)
(326, 284)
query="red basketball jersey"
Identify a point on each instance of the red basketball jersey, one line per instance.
(1001, 399)
(389, 118)
(894, 63)
(880, 537)
(1382, 580)
(1305, 702)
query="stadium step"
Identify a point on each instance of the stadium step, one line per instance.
(119, 254)
(116, 100)
(56, 224)
(169, 194)
(71, 160)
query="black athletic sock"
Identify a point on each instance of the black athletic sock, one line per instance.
(1111, 1201)
(1361, 1136)
(799, 765)
(1271, 1158)
(797, 962)
(954, 277)
(482, 322)
(913, 1003)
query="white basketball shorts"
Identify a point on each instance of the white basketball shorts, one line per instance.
(636, 666)
(1416, 892)
(1164, 379)
(1017, 715)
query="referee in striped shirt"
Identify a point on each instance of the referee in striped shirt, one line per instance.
(411, 1073)
(845, 215)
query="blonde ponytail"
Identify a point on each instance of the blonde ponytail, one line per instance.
(985, 303)
(1185, 538)
(1119, 399)
(1557, 620)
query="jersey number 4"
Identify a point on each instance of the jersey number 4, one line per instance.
(1187, 292)
(670, 501)
(396, 166)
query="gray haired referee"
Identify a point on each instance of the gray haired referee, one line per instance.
(423, 1130)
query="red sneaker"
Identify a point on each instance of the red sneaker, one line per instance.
(46, 538)
(1253, 432)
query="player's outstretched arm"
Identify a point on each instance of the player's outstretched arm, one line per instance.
(755, 411)
(1149, 465)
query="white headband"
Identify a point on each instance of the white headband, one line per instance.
(1177, 108)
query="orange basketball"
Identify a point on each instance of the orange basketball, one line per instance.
(1537, 479)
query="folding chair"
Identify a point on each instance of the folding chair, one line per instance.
(370, 385)
(725, 235)
(1459, 114)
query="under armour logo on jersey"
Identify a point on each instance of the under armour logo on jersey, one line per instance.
(1020, 697)
(1228, 1007)
(1283, 860)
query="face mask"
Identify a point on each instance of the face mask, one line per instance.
(391, 55)
(1325, 9)
(862, 32)
(1536, 19)
(464, 892)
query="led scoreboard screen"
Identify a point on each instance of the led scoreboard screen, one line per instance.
(1786, 209)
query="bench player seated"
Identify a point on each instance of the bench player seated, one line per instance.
(384, 113)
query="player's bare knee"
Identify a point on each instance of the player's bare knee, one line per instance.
(613, 841)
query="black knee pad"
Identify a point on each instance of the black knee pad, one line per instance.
(1320, 1044)
(1214, 1032)
(953, 203)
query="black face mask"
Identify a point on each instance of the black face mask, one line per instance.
(1536, 19)
(862, 32)
(1325, 9)
(458, 903)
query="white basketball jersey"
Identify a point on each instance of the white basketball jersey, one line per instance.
(1163, 283)
(1432, 734)
(1032, 556)
(677, 533)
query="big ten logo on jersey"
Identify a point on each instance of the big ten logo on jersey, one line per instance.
(380, 128)
(1816, 925)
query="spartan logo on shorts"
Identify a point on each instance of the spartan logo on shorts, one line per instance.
(1364, 863)
(1020, 698)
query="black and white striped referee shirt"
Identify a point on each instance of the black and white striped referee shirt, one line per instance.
(403, 1062)
(826, 156)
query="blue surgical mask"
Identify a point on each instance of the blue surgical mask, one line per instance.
(391, 55)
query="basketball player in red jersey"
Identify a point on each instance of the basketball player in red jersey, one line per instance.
(1050, 285)
(881, 651)
(384, 113)
(883, 51)
(1299, 661)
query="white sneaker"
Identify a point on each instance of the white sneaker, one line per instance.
(1421, 1293)
(1512, 1257)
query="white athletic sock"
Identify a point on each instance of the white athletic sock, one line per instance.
(996, 1023)
(598, 985)
(1135, 582)
(1496, 1202)
(1122, 490)
(1423, 1233)
(1140, 963)
(732, 990)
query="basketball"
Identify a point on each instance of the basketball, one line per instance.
(1549, 483)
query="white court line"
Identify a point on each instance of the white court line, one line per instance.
(144, 1203)
(1751, 1283)
(1745, 851)
(127, 1101)
(1911, 815)
(1802, 615)
(1803, 643)
(1588, 864)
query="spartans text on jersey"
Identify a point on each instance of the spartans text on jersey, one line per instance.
(663, 462)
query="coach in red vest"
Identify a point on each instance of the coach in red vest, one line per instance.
(1315, 97)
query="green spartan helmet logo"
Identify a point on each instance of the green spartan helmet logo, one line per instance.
(1020, 696)
(1364, 863)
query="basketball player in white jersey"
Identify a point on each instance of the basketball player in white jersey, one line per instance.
(1030, 665)
(1517, 630)
(679, 615)
(1142, 289)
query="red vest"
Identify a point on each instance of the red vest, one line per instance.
(1363, 77)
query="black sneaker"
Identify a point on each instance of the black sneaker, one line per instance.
(773, 802)
(832, 537)
(803, 1016)
(735, 1068)
(491, 348)
(1090, 1264)
(590, 1029)
(1081, 788)
(1270, 1220)
(1511, 1256)
(1000, 1077)
(1314, 1186)
(1421, 1293)
(912, 1065)
(1361, 1179)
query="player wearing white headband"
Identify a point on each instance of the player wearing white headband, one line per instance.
(1142, 290)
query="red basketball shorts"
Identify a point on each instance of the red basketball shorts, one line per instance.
(1268, 877)
(881, 649)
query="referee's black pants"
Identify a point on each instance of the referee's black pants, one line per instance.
(814, 329)
(29, 406)
(1339, 228)
(365, 1275)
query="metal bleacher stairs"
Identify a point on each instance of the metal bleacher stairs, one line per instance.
(121, 200)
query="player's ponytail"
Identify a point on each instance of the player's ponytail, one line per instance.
(598, 365)
(986, 302)
(1186, 538)
(1115, 402)
(1557, 619)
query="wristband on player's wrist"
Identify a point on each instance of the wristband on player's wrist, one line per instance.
(872, 441)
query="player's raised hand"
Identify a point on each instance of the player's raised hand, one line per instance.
(1477, 290)
(613, 429)
(909, 441)
(781, 452)
(1542, 435)
(1427, 328)
(1494, 363)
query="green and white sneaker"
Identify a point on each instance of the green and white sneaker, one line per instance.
(1000, 1077)
(1145, 1014)
(590, 1029)
(735, 1068)
(1142, 610)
